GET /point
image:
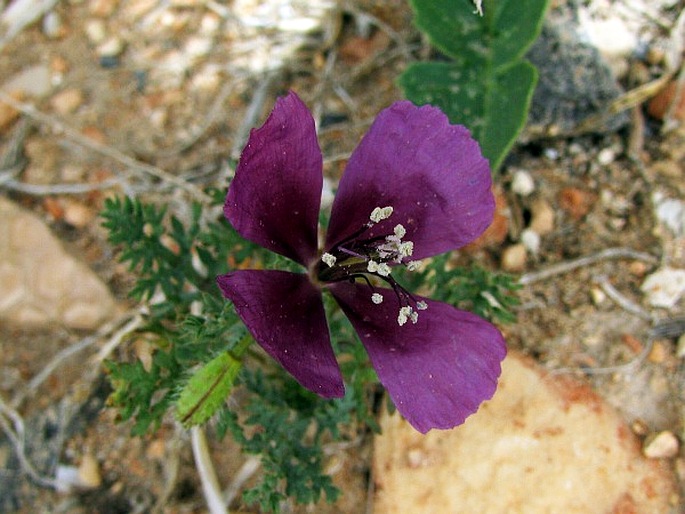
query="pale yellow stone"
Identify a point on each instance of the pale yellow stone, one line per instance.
(41, 283)
(11, 287)
(543, 444)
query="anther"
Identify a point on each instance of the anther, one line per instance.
(380, 213)
(377, 298)
(328, 259)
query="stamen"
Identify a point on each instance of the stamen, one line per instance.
(383, 269)
(372, 267)
(403, 316)
(400, 231)
(380, 213)
(405, 249)
(421, 305)
(328, 259)
(413, 265)
(377, 298)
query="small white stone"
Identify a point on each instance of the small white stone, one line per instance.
(328, 259)
(664, 287)
(663, 445)
(606, 156)
(551, 153)
(96, 31)
(531, 240)
(111, 48)
(522, 184)
(377, 298)
(52, 25)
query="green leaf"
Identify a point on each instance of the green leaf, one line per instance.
(487, 86)
(207, 389)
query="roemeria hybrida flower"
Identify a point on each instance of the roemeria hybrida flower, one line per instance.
(415, 187)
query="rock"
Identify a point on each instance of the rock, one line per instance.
(67, 101)
(96, 31)
(33, 81)
(575, 81)
(541, 217)
(670, 212)
(40, 283)
(112, 47)
(531, 241)
(522, 183)
(77, 214)
(89, 472)
(575, 201)
(663, 445)
(544, 443)
(663, 101)
(664, 287)
(514, 258)
(52, 25)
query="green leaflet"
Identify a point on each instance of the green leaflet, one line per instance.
(487, 86)
(207, 389)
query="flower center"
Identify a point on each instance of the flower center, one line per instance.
(363, 257)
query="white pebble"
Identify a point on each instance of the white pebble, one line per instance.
(664, 287)
(531, 240)
(663, 445)
(522, 184)
(606, 156)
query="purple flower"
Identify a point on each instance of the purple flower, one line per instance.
(415, 187)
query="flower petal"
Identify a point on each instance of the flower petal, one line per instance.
(285, 314)
(274, 198)
(437, 371)
(431, 173)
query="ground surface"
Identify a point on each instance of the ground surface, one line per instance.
(128, 90)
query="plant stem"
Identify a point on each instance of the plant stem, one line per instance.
(203, 462)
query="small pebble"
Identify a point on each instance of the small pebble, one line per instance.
(664, 287)
(89, 472)
(598, 295)
(522, 184)
(542, 217)
(514, 258)
(575, 201)
(52, 25)
(606, 156)
(659, 353)
(551, 153)
(640, 428)
(96, 31)
(531, 240)
(680, 348)
(77, 214)
(111, 48)
(663, 445)
(67, 101)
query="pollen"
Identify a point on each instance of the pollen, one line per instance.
(413, 265)
(329, 259)
(400, 231)
(421, 305)
(405, 249)
(377, 298)
(380, 213)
